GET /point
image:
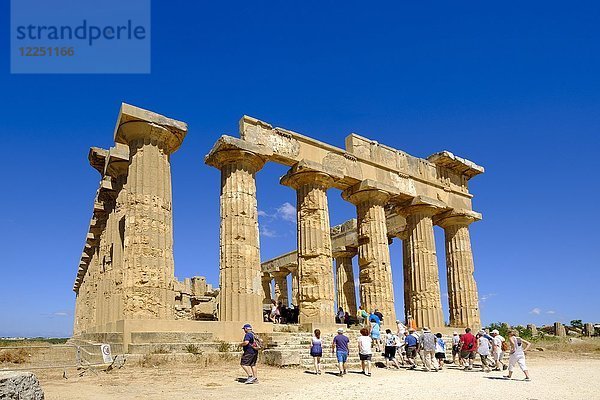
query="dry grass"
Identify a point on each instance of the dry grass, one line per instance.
(563, 345)
(15, 356)
(153, 360)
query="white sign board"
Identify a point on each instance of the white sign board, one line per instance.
(106, 355)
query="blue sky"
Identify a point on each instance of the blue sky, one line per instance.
(514, 88)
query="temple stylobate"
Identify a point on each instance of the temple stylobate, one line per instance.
(396, 196)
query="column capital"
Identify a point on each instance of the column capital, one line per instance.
(308, 172)
(280, 273)
(135, 123)
(228, 150)
(368, 191)
(456, 218)
(421, 204)
(347, 252)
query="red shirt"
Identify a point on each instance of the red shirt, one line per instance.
(469, 342)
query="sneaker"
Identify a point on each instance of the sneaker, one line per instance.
(506, 377)
(249, 380)
(345, 372)
(340, 374)
(527, 379)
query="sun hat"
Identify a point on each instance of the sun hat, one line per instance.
(425, 329)
(340, 330)
(455, 333)
(247, 326)
(496, 331)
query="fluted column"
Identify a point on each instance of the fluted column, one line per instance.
(462, 288)
(240, 280)
(149, 277)
(281, 288)
(346, 294)
(375, 269)
(266, 285)
(315, 270)
(422, 283)
(295, 286)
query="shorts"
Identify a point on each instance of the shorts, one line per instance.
(498, 355)
(515, 359)
(342, 356)
(455, 350)
(249, 359)
(467, 355)
(316, 353)
(365, 357)
(440, 356)
(411, 351)
(390, 352)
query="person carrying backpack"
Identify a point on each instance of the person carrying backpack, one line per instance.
(251, 345)
(468, 348)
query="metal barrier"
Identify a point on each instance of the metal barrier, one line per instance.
(32, 357)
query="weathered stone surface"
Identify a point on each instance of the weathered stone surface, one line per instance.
(421, 277)
(281, 358)
(315, 272)
(346, 294)
(20, 386)
(588, 329)
(533, 329)
(462, 288)
(559, 330)
(375, 269)
(281, 287)
(240, 280)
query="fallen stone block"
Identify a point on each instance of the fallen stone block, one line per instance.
(281, 358)
(20, 385)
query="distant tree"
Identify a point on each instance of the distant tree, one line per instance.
(577, 323)
(524, 332)
(502, 327)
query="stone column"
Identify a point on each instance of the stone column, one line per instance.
(148, 281)
(295, 286)
(375, 269)
(559, 329)
(314, 245)
(422, 283)
(266, 285)
(533, 329)
(462, 288)
(346, 294)
(281, 288)
(241, 295)
(588, 329)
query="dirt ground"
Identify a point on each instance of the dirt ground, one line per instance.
(552, 378)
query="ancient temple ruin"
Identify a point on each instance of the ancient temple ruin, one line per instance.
(126, 283)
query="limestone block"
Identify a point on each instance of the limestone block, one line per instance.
(588, 329)
(281, 358)
(20, 386)
(559, 329)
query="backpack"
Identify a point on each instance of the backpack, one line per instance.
(504, 346)
(256, 344)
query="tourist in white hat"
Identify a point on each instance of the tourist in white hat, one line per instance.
(341, 348)
(456, 348)
(498, 344)
(427, 346)
(483, 348)
(250, 345)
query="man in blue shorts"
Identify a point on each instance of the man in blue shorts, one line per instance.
(340, 348)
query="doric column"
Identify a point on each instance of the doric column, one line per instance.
(149, 277)
(462, 288)
(422, 282)
(375, 269)
(346, 294)
(315, 269)
(295, 286)
(281, 288)
(266, 285)
(241, 295)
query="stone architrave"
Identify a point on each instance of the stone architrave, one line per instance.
(422, 282)
(148, 279)
(462, 288)
(281, 287)
(375, 269)
(315, 272)
(346, 294)
(241, 295)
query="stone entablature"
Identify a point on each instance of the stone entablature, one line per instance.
(396, 196)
